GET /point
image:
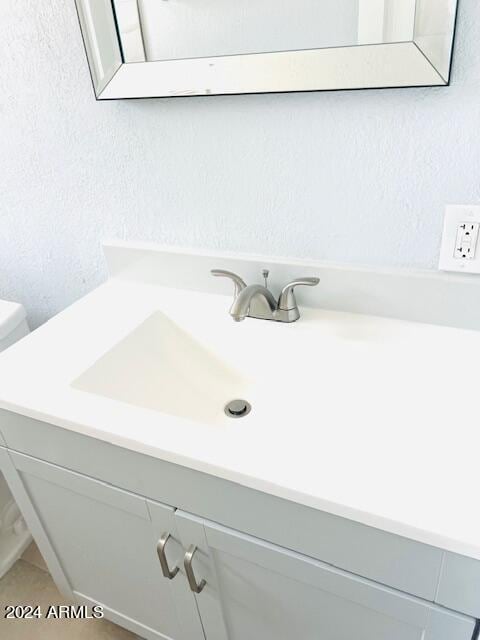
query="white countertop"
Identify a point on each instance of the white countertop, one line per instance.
(367, 418)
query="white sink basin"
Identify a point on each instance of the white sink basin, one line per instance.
(160, 366)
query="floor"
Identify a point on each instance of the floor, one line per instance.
(29, 583)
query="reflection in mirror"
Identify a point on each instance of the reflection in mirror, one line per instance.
(191, 47)
(173, 29)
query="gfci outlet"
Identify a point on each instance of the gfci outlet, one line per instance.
(460, 250)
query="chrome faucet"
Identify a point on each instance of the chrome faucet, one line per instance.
(257, 301)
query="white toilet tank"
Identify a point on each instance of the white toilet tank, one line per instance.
(14, 535)
(13, 323)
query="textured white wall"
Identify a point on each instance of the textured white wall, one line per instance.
(358, 177)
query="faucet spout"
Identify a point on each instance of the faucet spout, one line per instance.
(256, 296)
(257, 301)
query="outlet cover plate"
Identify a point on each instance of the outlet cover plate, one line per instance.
(450, 260)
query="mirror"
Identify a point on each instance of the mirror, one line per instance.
(160, 48)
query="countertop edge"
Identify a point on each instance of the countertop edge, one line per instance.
(314, 502)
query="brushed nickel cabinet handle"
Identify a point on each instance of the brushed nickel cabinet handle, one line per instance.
(163, 558)
(187, 562)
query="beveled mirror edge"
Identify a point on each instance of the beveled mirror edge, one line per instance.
(437, 44)
(315, 70)
(101, 42)
(303, 71)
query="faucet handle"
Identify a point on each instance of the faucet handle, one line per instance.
(287, 301)
(237, 280)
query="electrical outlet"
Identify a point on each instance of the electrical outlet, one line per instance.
(466, 243)
(460, 250)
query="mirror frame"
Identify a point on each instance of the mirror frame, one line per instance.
(119, 70)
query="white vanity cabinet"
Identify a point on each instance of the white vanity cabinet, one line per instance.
(105, 540)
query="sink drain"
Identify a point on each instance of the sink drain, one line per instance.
(237, 408)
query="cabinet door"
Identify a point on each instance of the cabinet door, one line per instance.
(258, 590)
(106, 541)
